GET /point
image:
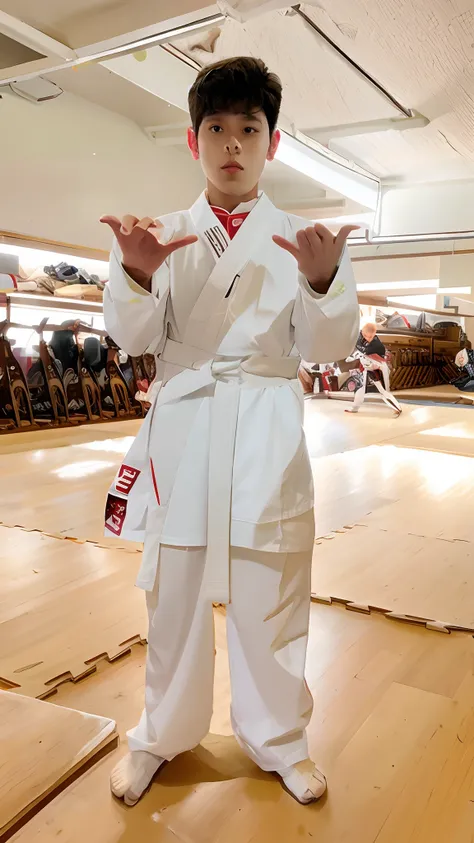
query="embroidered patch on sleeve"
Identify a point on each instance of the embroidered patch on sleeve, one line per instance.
(115, 512)
(338, 291)
(126, 479)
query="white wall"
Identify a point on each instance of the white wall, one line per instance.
(427, 208)
(395, 269)
(66, 162)
(458, 271)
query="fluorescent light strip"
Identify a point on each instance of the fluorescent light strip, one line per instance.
(452, 290)
(306, 160)
(374, 287)
(398, 285)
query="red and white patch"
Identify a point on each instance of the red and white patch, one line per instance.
(126, 479)
(115, 512)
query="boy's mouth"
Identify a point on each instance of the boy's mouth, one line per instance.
(232, 167)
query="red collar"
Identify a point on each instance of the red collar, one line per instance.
(231, 222)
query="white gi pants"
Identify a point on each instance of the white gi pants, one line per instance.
(267, 632)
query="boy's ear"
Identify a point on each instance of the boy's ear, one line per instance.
(274, 142)
(193, 144)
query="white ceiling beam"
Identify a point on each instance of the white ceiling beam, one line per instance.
(36, 40)
(243, 10)
(324, 134)
(159, 33)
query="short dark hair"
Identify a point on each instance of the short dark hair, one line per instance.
(243, 84)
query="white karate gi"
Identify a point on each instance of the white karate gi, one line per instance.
(218, 482)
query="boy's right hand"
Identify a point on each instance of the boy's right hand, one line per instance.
(141, 249)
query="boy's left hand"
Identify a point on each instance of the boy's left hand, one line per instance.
(317, 252)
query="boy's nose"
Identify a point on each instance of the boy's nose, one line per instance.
(233, 146)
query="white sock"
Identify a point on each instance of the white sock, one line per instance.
(304, 781)
(132, 775)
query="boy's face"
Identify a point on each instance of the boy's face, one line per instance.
(233, 149)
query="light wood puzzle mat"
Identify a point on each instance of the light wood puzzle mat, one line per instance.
(55, 621)
(59, 482)
(63, 607)
(439, 395)
(443, 393)
(43, 745)
(405, 574)
(330, 430)
(440, 506)
(392, 727)
(415, 553)
(62, 490)
(34, 440)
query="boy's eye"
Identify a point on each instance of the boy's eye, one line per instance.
(249, 130)
(215, 129)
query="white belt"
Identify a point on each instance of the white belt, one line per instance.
(229, 376)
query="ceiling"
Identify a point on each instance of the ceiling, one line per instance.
(11, 52)
(81, 22)
(287, 188)
(422, 53)
(95, 83)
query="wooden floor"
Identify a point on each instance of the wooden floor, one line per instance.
(59, 486)
(393, 725)
(402, 573)
(445, 393)
(442, 393)
(43, 745)
(408, 481)
(393, 728)
(55, 624)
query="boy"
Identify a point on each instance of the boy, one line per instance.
(375, 370)
(228, 296)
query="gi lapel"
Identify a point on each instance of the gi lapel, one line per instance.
(209, 227)
(231, 264)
